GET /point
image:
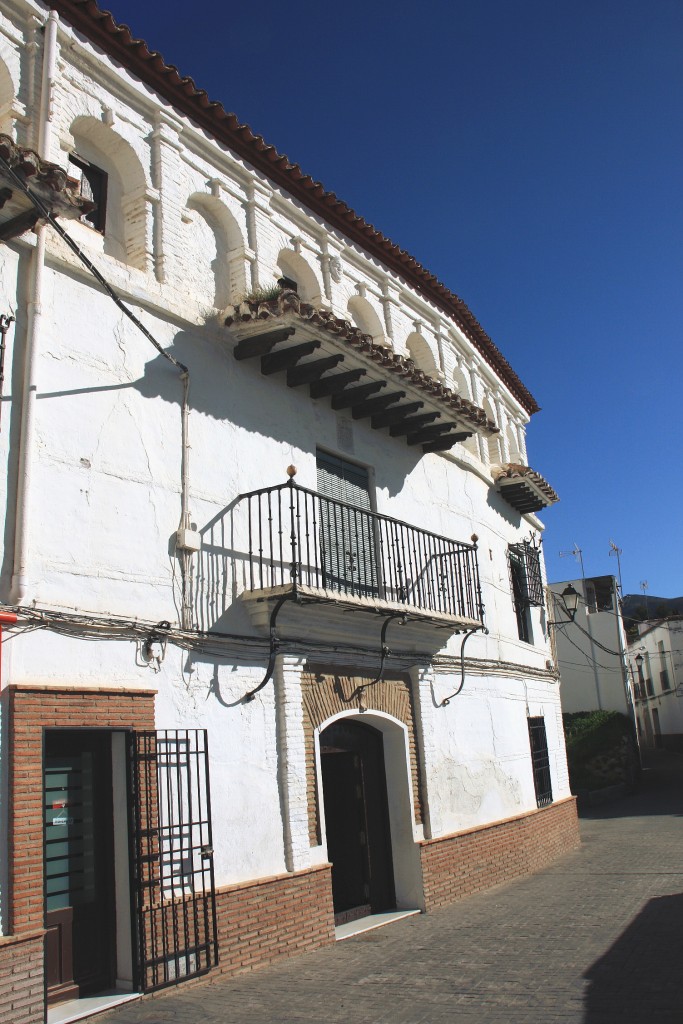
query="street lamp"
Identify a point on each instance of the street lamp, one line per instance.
(570, 600)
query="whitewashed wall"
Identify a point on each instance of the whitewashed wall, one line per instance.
(591, 656)
(190, 229)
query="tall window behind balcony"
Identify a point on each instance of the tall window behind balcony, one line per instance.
(347, 533)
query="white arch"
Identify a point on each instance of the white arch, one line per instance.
(125, 235)
(492, 440)
(463, 387)
(7, 98)
(366, 319)
(513, 444)
(405, 851)
(293, 265)
(421, 353)
(217, 260)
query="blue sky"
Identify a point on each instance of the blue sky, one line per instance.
(529, 153)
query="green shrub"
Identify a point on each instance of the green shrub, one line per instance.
(600, 749)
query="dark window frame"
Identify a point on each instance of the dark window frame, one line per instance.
(540, 761)
(526, 585)
(97, 181)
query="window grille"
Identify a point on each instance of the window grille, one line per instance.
(525, 568)
(540, 761)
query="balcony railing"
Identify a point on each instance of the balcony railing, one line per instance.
(301, 538)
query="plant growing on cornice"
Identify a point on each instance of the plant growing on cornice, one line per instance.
(266, 294)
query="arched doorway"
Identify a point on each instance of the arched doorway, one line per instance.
(357, 819)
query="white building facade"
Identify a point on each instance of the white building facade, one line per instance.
(656, 666)
(272, 587)
(591, 648)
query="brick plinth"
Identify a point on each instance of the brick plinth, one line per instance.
(264, 920)
(21, 979)
(458, 865)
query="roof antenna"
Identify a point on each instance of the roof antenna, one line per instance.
(577, 553)
(616, 552)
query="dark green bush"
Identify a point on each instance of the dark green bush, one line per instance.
(600, 749)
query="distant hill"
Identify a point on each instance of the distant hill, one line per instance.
(637, 609)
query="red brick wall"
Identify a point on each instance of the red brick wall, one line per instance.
(31, 709)
(261, 921)
(21, 979)
(467, 862)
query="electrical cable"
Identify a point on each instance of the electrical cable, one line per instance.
(605, 668)
(99, 277)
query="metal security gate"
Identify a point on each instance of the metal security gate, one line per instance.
(172, 856)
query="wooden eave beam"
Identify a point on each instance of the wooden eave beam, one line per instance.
(523, 498)
(337, 383)
(355, 395)
(412, 424)
(260, 344)
(375, 405)
(429, 433)
(442, 444)
(391, 416)
(18, 225)
(308, 372)
(286, 357)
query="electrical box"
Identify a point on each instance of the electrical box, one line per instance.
(188, 540)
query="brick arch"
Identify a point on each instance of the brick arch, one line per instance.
(492, 442)
(322, 700)
(220, 260)
(422, 355)
(7, 96)
(366, 318)
(293, 265)
(126, 232)
(513, 443)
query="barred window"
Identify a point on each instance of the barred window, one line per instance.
(525, 569)
(540, 761)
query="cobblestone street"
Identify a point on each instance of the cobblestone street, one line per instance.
(596, 939)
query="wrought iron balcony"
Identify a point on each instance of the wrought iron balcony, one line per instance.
(301, 541)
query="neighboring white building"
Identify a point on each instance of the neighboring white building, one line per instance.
(250, 556)
(656, 666)
(591, 649)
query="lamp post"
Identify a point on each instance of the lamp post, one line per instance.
(570, 599)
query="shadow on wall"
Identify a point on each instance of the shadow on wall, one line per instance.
(231, 393)
(638, 978)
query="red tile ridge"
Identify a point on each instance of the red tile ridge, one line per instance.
(149, 65)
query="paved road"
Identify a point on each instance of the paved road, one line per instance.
(596, 939)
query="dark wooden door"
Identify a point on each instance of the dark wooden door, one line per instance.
(79, 863)
(357, 820)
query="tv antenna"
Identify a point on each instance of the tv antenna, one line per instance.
(576, 553)
(645, 586)
(617, 552)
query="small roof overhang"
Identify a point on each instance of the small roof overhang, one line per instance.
(524, 488)
(49, 182)
(337, 361)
